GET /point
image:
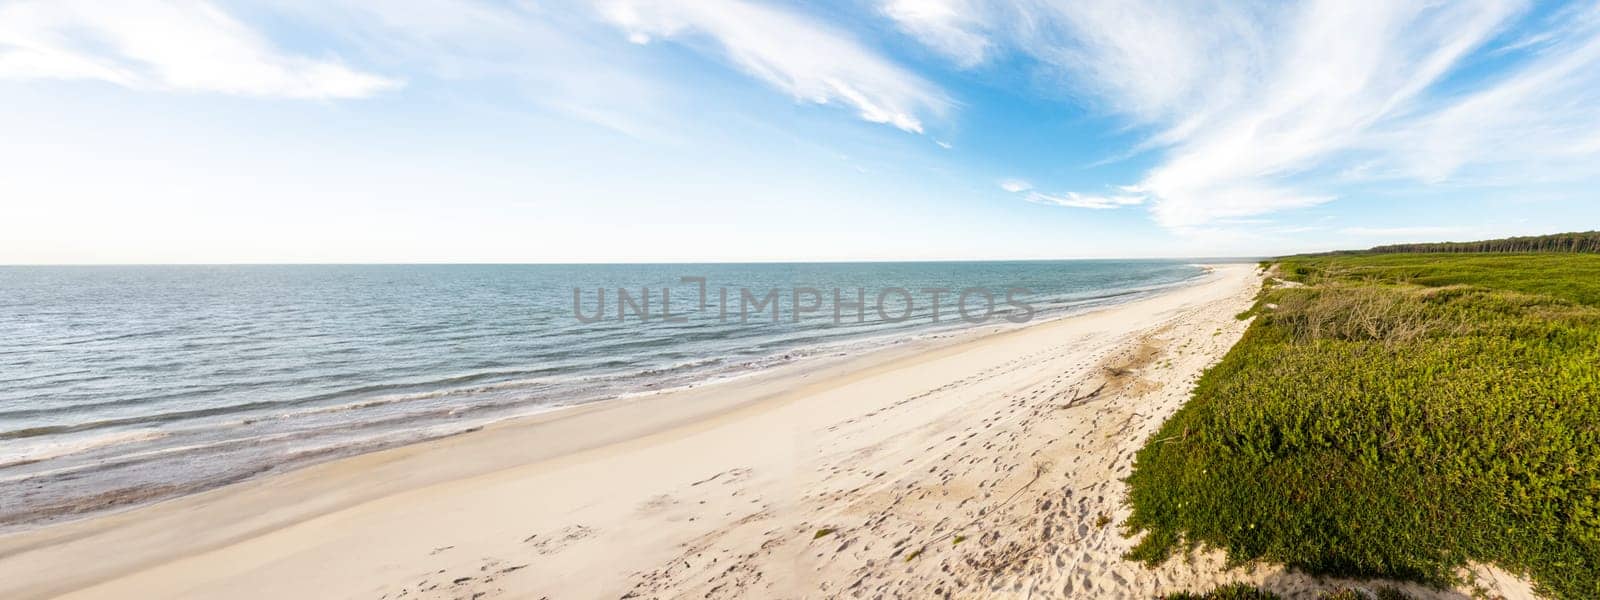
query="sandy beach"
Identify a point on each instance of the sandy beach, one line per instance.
(988, 464)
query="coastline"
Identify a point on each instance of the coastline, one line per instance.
(987, 462)
(89, 464)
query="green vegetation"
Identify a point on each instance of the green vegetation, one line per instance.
(1396, 416)
(1236, 591)
(1241, 591)
(1565, 242)
(1565, 276)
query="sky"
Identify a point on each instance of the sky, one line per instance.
(222, 131)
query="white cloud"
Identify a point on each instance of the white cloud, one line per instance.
(179, 45)
(1263, 108)
(1076, 200)
(1541, 122)
(1015, 185)
(951, 27)
(554, 57)
(1129, 197)
(806, 59)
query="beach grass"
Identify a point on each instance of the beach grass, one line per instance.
(1396, 416)
(1229, 592)
(1241, 591)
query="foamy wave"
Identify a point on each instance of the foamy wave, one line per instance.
(58, 448)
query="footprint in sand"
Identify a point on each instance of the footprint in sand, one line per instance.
(556, 542)
(656, 504)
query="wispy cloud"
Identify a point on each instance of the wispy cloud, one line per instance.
(1076, 200)
(1130, 197)
(1263, 108)
(1540, 122)
(563, 56)
(953, 28)
(796, 54)
(555, 57)
(1015, 185)
(175, 45)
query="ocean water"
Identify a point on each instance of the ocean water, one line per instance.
(127, 384)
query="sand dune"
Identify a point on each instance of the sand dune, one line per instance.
(989, 464)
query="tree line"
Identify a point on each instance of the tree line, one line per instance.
(1586, 242)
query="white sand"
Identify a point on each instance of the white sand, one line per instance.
(720, 491)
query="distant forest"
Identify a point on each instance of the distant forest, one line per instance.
(1587, 242)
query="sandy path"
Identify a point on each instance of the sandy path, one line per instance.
(987, 466)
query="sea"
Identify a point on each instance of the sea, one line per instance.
(123, 385)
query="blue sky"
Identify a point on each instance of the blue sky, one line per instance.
(707, 130)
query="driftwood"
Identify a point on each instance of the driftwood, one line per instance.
(1088, 396)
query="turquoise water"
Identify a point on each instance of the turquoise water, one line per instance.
(121, 385)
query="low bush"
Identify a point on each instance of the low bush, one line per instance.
(1396, 417)
(1230, 592)
(1241, 591)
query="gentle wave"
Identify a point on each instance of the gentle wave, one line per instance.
(207, 375)
(60, 448)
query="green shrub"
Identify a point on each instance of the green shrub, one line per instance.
(1397, 417)
(1239, 591)
(1236, 591)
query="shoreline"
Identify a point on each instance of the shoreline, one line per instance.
(245, 532)
(63, 509)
